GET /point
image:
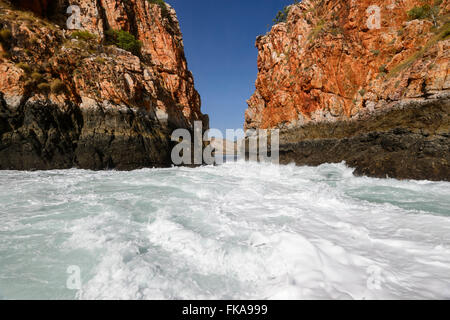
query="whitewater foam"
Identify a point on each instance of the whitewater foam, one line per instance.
(240, 230)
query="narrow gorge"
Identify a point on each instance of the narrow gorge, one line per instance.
(94, 204)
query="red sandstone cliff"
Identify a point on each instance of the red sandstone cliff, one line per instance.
(343, 88)
(121, 104)
(325, 63)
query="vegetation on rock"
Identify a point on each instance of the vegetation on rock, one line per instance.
(57, 86)
(83, 35)
(162, 5)
(283, 14)
(24, 66)
(44, 87)
(124, 40)
(5, 38)
(426, 11)
(443, 33)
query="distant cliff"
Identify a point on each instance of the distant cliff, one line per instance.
(366, 82)
(105, 96)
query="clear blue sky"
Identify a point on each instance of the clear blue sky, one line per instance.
(219, 39)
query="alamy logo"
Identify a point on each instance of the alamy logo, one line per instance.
(375, 278)
(257, 145)
(74, 279)
(374, 19)
(74, 21)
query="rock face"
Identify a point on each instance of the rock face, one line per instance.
(37, 6)
(76, 98)
(358, 81)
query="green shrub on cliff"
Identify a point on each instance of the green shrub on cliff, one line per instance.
(419, 12)
(36, 76)
(5, 38)
(317, 30)
(25, 67)
(426, 11)
(44, 87)
(446, 34)
(443, 33)
(162, 5)
(283, 14)
(5, 35)
(382, 69)
(124, 40)
(57, 86)
(83, 35)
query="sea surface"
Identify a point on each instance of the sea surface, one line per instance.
(236, 231)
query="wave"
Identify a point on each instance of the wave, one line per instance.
(236, 231)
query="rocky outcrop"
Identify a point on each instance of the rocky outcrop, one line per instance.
(361, 82)
(87, 98)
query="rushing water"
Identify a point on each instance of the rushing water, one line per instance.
(240, 230)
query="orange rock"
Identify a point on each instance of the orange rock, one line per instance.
(157, 80)
(88, 103)
(328, 63)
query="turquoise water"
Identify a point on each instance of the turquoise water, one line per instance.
(240, 230)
